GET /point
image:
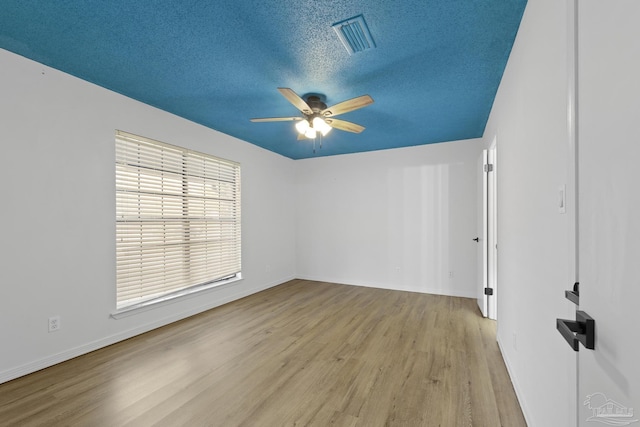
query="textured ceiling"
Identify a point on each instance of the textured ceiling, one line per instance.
(433, 75)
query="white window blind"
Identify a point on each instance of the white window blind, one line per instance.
(177, 219)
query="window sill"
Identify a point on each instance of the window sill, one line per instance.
(133, 309)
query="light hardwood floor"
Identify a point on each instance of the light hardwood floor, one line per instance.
(302, 353)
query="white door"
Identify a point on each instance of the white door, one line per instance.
(481, 237)
(609, 209)
(487, 235)
(491, 232)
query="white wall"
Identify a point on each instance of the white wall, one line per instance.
(58, 214)
(397, 219)
(535, 264)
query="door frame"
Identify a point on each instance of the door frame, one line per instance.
(492, 229)
(488, 234)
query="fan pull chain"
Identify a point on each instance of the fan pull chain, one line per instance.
(314, 144)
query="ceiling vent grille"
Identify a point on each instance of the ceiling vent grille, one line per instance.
(354, 34)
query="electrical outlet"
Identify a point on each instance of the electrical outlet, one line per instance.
(54, 323)
(451, 275)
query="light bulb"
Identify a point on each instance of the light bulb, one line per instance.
(302, 126)
(321, 126)
(310, 133)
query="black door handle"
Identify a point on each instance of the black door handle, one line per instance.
(574, 295)
(582, 330)
(477, 239)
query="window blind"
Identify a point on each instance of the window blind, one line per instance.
(177, 219)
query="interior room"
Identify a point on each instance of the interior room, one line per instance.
(454, 174)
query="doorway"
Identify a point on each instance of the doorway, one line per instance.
(487, 238)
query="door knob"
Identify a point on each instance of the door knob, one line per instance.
(477, 239)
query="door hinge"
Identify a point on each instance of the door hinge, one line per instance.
(488, 167)
(488, 291)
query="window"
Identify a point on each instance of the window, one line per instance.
(177, 220)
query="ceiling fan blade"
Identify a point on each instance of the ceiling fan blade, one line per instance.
(297, 102)
(301, 137)
(348, 105)
(345, 125)
(276, 119)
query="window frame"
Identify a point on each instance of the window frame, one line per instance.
(178, 222)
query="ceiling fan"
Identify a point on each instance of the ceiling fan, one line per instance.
(317, 117)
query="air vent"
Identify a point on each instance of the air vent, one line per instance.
(354, 34)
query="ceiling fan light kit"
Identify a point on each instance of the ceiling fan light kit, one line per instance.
(310, 129)
(317, 118)
(321, 126)
(302, 126)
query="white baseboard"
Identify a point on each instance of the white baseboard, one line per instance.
(54, 359)
(449, 293)
(514, 382)
(60, 357)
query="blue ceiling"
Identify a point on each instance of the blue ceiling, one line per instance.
(433, 74)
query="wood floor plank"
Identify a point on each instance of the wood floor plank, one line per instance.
(302, 353)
